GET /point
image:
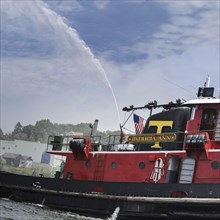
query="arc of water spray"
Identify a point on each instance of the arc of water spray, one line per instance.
(73, 33)
(102, 71)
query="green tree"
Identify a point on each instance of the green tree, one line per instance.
(18, 128)
(29, 130)
(43, 129)
(2, 137)
(18, 132)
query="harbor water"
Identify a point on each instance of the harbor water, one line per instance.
(11, 210)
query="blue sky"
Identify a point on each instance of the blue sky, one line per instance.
(70, 61)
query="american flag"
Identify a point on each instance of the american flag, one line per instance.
(139, 124)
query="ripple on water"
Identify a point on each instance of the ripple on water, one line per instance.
(11, 210)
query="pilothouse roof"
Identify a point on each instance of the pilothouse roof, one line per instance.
(202, 101)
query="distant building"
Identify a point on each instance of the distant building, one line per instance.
(35, 150)
(17, 160)
(12, 159)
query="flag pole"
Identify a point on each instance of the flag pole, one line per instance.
(127, 119)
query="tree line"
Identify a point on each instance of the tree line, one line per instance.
(43, 128)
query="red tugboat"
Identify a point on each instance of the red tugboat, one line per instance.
(171, 170)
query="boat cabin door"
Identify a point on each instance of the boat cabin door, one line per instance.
(208, 121)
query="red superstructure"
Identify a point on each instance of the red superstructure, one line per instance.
(181, 144)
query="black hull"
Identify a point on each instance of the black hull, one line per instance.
(135, 200)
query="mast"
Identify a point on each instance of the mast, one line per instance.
(154, 105)
(207, 82)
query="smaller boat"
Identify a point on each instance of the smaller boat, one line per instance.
(169, 170)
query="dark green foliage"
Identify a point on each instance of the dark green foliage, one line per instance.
(1, 134)
(43, 128)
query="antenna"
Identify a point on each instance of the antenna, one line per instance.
(207, 82)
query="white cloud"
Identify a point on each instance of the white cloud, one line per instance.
(70, 80)
(176, 76)
(183, 7)
(191, 23)
(64, 6)
(60, 79)
(101, 4)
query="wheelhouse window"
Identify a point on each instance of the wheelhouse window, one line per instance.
(208, 121)
(193, 111)
(217, 130)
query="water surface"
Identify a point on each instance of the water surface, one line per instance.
(11, 210)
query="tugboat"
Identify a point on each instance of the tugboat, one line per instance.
(170, 169)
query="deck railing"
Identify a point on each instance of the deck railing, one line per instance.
(114, 143)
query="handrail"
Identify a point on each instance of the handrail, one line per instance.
(61, 143)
